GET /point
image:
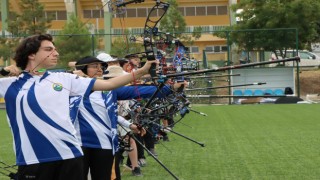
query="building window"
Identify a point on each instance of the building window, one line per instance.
(154, 13)
(142, 12)
(96, 14)
(224, 48)
(53, 32)
(209, 49)
(218, 28)
(189, 29)
(190, 11)
(51, 15)
(193, 49)
(117, 31)
(138, 31)
(212, 10)
(222, 10)
(131, 12)
(181, 9)
(185, 11)
(61, 15)
(201, 11)
(216, 49)
(86, 13)
(205, 28)
(120, 14)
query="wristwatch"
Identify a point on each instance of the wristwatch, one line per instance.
(3, 72)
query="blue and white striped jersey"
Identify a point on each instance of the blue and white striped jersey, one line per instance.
(96, 121)
(38, 112)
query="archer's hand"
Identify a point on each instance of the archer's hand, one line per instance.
(178, 85)
(145, 69)
(135, 129)
(13, 70)
(79, 73)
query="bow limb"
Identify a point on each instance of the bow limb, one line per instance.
(151, 30)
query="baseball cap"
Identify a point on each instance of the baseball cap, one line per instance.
(106, 57)
(114, 71)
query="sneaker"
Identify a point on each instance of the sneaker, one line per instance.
(167, 129)
(142, 162)
(165, 138)
(136, 172)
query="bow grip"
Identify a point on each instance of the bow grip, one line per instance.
(152, 70)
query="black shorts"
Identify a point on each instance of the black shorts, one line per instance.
(71, 169)
(99, 161)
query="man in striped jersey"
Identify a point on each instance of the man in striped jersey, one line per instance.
(37, 105)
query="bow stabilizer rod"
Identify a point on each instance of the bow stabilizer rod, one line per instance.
(218, 87)
(232, 96)
(216, 76)
(231, 67)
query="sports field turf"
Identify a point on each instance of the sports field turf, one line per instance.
(241, 142)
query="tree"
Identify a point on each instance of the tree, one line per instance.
(32, 19)
(74, 41)
(122, 47)
(7, 47)
(271, 14)
(173, 22)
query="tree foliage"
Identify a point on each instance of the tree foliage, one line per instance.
(32, 19)
(7, 46)
(74, 41)
(260, 15)
(122, 46)
(173, 22)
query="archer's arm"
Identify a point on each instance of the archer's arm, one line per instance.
(113, 83)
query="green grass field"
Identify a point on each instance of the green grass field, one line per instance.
(242, 142)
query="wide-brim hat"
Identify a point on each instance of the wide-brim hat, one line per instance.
(106, 57)
(114, 71)
(82, 63)
(129, 56)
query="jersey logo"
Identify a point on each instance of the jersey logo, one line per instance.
(57, 87)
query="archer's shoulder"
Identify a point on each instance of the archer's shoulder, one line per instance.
(64, 75)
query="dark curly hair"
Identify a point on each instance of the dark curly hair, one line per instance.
(29, 45)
